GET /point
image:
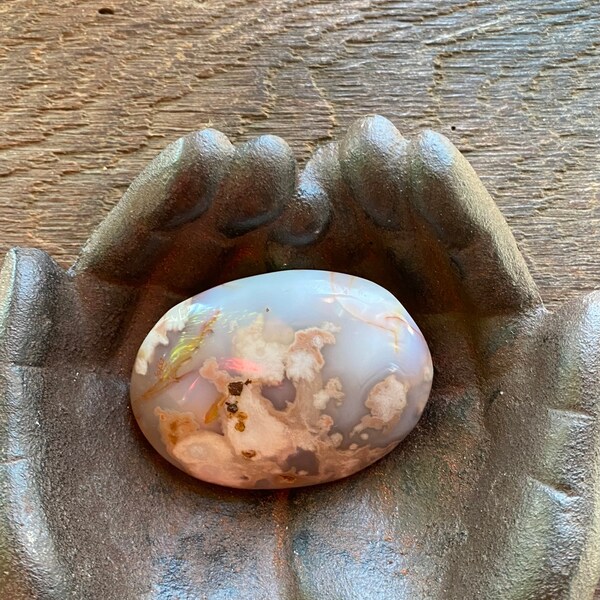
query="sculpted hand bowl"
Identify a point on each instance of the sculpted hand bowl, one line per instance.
(281, 380)
(495, 494)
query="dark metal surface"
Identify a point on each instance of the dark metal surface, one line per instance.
(494, 495)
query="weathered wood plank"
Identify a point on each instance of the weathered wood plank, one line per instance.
(88, 98)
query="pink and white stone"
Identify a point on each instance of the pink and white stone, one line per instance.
(281, 380)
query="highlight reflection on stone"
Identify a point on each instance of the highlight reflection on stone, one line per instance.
(281, 380)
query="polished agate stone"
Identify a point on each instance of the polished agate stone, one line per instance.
(281, 380)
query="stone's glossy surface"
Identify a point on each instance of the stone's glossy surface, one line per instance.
(281, 380)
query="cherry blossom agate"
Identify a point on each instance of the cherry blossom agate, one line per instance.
(281, 380)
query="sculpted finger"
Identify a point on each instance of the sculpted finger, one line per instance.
(307, 214)
(260, 178)
(541, 473)
(375, 161)
(229, 241)
(49, 318)
(460, 215)
(176, 188)
(32, 292)
(322, 228)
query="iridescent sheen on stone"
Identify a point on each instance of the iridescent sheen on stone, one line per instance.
(281, 380)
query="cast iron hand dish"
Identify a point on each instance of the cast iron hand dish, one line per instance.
(495, 493)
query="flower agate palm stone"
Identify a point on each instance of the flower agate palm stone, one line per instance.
(281, 380)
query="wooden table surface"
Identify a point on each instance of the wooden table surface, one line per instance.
(91, 91)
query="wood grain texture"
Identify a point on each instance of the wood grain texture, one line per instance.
(88, 98)
(91, 91)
